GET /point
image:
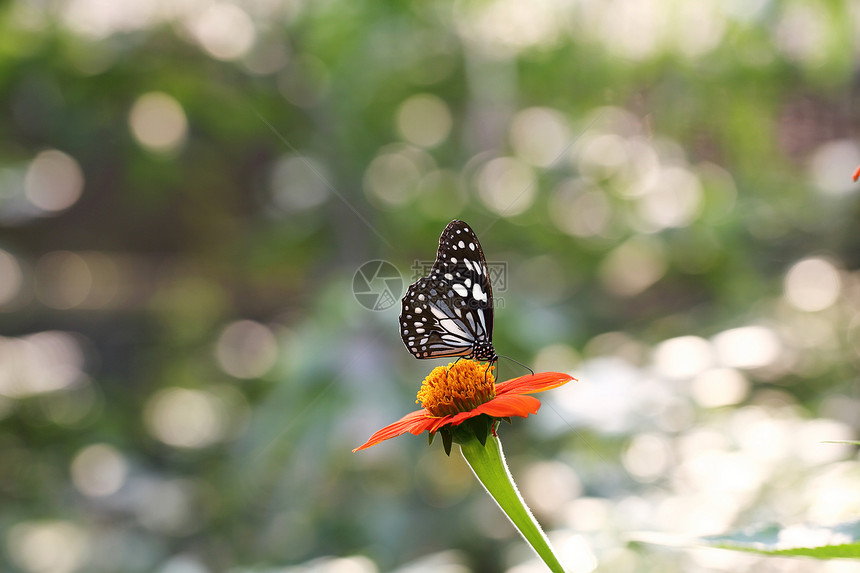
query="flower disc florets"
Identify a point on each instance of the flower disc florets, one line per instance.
(459, 387)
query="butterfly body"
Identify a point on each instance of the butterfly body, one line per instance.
(450, 312)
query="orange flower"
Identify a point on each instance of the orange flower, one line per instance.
(464, 390)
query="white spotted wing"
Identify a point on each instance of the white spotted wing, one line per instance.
(450, 312)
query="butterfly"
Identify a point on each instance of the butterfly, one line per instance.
(450, 312)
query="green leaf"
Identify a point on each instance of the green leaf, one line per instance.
(822, 542)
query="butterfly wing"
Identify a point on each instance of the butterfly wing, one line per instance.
(432, 322)
(460, 261)
(449, 312)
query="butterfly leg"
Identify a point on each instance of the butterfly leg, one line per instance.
(490, 364)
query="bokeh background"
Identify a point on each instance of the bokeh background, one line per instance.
(188, 187)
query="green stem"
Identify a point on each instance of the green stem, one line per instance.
(488, 464)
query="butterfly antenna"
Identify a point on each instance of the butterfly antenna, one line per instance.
(518, 362)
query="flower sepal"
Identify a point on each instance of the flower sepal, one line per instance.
(447, 439)
(477, 428)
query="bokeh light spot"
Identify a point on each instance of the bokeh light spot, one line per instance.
(832, 494)
(98, 19)
(73, 406)
(39, 363)
(801, 32)
(11, 277)
(812, 435)
(556, 357)
(503, 27)
(576, 553)
(99, 470)
(166, 505)
(699, 27)
(761, 435)
(507, 186)
(299, 183)
(832, 164)
(539, 136)
(647, 457)
(588, 513)
(747, 347)
(224, 30)
(185, 418)
(580, 208)
(158, 122)
(424, 120)
(812, 284)
(548, 486)
(673, 200)
(634, 29)
(54, 181)
(267, 57)
(633, 267)
(48, 546)
(246, 349)
(183, 564)
(719, 387)
(63, 280)
(683, 357)
(393, 176)
(602, 155)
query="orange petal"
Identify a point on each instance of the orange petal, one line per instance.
(857, 175)
(499, 407)
(533, 383)
(443, 421)
(458, 419)
(509, 405)
(414, 423)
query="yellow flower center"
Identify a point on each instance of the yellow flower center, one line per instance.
(459, 387)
